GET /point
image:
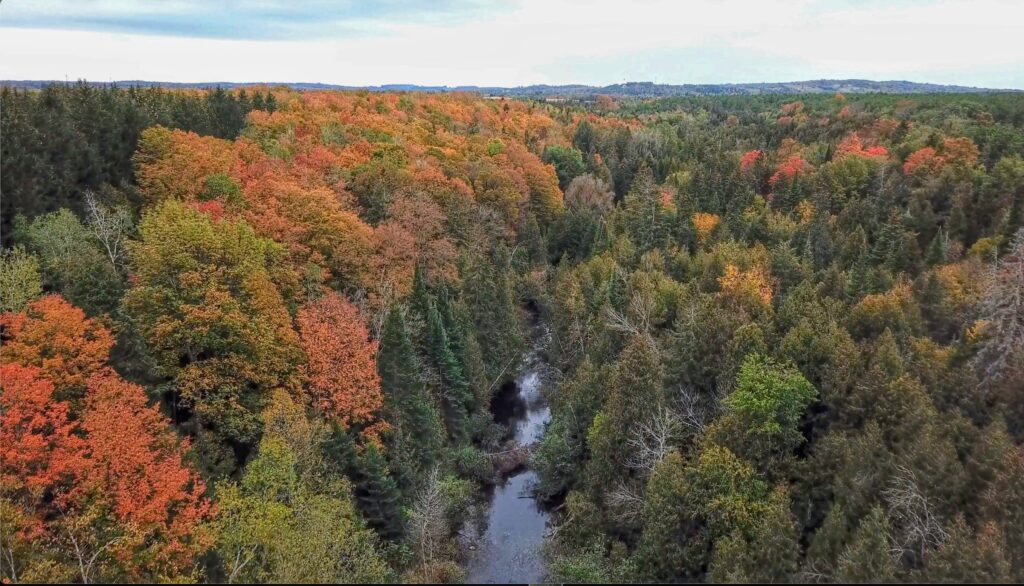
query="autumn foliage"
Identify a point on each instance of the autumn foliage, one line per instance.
(704, 224)
(778, 357)
(924, 158)
(110, 485)
(851, 146)
(176, 164)
(340, 372)
(56, 337)
(38, 448)
(751, 288)
(793, 167)
(960, 153)
(750, 158)
(135, 467)
(346, 183)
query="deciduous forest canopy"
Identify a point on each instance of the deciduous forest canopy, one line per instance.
(254, 334)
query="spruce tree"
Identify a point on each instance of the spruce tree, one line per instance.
(461, 341)
(938, 250)
(377, 494)
(868, 557)
(491, 303)
(419, 306)
(406, 400)
(531, 239)
(455, 392)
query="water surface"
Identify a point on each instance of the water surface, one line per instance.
(507, 539)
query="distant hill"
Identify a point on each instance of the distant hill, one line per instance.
(639, 89)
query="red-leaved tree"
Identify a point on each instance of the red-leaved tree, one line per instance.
(341, 371)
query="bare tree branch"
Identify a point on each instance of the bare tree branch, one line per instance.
(626, 503)
(913, 514)
(110, 226)
(650, 441)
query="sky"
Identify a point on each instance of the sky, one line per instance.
(514, 42)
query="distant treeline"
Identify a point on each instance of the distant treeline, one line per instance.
(632, 89)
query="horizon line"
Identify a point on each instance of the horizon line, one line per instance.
(397, 85)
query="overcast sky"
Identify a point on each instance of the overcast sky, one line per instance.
(514, 42)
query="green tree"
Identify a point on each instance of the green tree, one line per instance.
(204, 302)
(644, 215)
(72, 261)
(967, 557)
(763, 412)
(491, 305)
(274, 527)
(869, 555)
(377, 494)
(568, 163)
(693, 508)
(20, 281)
(768, 551)
(455, 391)
(409, 408)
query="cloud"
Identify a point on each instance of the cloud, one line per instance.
(971, 42)
(239, 19)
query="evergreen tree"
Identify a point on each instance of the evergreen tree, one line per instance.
(646, 219)
(531, 239)
(407, 403)
(767, 552)
(938, 249)
(868, 557)
(455, 391)
(487, 290)
(377, 495)
(419, 306)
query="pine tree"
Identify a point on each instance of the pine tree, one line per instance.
(455, 392)
(938, 250)
(490, 301)
(635, 393)
(419, 306)
(340, 451)
(646, 219)
(887, 240)
(377, 494)
(407, 403)
(533, 241)
(461, 341)
(819, 242)
(868, 557)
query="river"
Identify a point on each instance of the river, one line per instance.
(506, 539)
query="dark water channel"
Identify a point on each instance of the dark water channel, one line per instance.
(504, 541)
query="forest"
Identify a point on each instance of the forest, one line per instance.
(256, 334)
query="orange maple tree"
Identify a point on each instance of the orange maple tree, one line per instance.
(56, 337)
(39, 450)
(960, 153)
(135, 466)
(923, 158)
(341, 371)
(176, 164)
(851, 146)
(110, 489)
